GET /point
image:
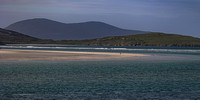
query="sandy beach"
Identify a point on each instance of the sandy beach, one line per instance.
(36, 55)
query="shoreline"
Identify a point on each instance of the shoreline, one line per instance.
(98, 45)
(41, 44)
(48, 55)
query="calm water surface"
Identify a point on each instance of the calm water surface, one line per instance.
(175, 76)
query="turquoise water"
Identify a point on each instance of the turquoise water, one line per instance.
(149, 78)
(148, 50)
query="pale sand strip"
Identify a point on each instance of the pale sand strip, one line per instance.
(28, 55)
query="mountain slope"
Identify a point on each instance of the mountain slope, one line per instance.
(48, 29)
(149, 39)
(7, 36)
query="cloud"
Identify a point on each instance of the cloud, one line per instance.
(157, 8)
(154, 8)
(25, 2)
(53, 5)
(169, 15)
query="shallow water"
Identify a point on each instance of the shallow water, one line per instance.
(169, 76)
(125, 49)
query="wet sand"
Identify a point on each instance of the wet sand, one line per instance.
(40, 55)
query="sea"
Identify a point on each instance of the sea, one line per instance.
(169, 73)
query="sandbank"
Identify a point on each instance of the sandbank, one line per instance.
(38, 55)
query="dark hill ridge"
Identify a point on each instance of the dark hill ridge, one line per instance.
(7, 37)
(48, 29)
(148, 39)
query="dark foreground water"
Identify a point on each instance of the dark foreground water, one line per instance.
(100, 80)
(165, 76)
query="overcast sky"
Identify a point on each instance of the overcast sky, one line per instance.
(170, 16)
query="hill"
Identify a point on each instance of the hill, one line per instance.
(1, 43)
(49, 29)
(149, 39)
(8, 36)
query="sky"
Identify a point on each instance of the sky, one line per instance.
(169, 16)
